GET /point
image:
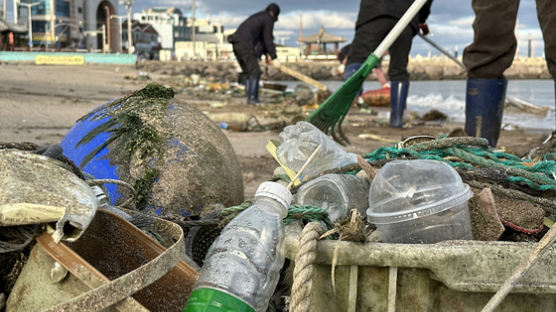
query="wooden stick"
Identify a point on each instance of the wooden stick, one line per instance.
(520, 271)
(304, 166)
(301, 77)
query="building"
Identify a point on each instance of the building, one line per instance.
(71, 23)
(9, 33)
(144, 40)
(207, 31)
(173, 27)
(170, 24)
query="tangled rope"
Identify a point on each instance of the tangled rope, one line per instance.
(303, 271)
(307, 213)
(469, 153)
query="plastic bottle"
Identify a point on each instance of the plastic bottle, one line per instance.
(336, 193)
(243, 265)
(300, 140)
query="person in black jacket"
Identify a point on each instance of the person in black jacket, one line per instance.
(375, 20)
(252, 39)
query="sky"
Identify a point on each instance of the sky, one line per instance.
(450, 21)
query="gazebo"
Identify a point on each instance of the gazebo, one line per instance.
(320, 39)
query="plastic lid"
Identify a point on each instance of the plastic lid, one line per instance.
(275, 191)
(408, 189)
(208, 299)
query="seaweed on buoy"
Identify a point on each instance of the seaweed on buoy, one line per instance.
(172, 154)
(137, 127)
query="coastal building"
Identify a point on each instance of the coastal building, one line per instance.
(9, 33)
(169, 23)
(144, 39)
(287, 54)
(207, 44)
(207, 31)
(71, 23)
(176, 35)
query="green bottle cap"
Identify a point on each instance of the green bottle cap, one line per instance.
(212, 300)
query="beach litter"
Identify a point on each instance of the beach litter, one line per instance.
(357, 266)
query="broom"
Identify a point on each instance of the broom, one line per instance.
(330, 115)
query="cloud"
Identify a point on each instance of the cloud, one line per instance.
(450, 21)
(311, 20)
(230, 21)
(285, 34)
(462, 21)
(316, 19)
(457, 31)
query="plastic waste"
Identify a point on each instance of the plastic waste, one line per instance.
(242, 266)
(300, 140)
(36, 189)
(336, 193)
(419, 201)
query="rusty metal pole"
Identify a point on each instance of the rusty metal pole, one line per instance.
(107, 9)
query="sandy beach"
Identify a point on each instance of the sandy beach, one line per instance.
(39, 104)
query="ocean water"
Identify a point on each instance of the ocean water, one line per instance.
(448, 96)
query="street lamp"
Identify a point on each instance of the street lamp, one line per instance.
(58, 24)
(120, 17)
(193, 27)
(128, 4)
(101, 31)
(29, 5)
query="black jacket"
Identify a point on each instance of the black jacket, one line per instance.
(372, 9)
(256, 32)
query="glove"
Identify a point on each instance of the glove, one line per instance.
(341, 69)
(424, 28)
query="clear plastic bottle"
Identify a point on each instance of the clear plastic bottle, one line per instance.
(243, 265)
(336, 193)
(300, 140)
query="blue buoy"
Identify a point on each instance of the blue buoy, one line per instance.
(177, 159)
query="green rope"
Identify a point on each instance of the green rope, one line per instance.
(448, 142)
(545, 182)
(307, 213)
(474, 152)
(227, 214)
(284, 177)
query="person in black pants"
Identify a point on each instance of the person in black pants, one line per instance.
(375, 20)
(252, 39)
(491, 53)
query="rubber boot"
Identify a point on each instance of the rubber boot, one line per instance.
(484, 103)
(248, 90)
(256, 92)
(398, 100)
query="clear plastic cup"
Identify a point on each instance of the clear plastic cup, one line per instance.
(419, 201)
